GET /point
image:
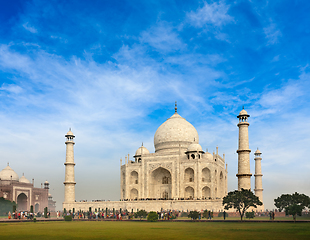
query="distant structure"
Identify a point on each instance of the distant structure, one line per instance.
(69, 165)
(179, 175)
(258, 177)
(21, 191)
(244, 174)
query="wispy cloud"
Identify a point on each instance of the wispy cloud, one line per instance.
(11, 88)
(272, 34)
(162, 37)
(30, 28)
(214, 14)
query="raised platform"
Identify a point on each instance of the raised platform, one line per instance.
(148, 205)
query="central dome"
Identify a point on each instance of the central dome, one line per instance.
(174, 133)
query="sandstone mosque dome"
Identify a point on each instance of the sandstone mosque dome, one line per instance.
(6, 174)
(23, 179)
(141, 151)
(175, 132)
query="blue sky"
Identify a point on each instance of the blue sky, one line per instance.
(111, 70)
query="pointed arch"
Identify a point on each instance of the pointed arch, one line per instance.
(189, 175)
(134, 177)
(189, 193)
(206, 175)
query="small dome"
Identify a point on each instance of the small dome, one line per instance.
(141, 151)
(6, 174)
(243, 112)
(46, 182)
(208, 156)
(257, 152)
(49, 195)
(69, 134)
(194, 147)
(23, 179)
(174, 133)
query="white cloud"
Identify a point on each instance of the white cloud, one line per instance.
(272, 34)
(162, 37)
(11, 88)
(214, 14)
(30, 28)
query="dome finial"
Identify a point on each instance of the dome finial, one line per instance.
(243, 107)
(175, 107)
(8, 164)
(142, 144)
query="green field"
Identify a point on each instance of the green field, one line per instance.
(158, 230)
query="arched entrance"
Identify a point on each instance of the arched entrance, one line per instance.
(189, 175)
(134, 177)
(36, 207)
(161, 183)
(134, 194)
(206, 193)
(189, 193)
(206, 175)
(221, 190)
(22, 202)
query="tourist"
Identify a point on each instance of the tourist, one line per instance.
(9, 215)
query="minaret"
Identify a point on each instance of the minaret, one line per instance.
(258, 177)
(69, 177)
(244, 174)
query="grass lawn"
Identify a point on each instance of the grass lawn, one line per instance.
(158, 230)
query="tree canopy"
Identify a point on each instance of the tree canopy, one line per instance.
(293, 204)
(241, 200)
(6, 206)
(193, 214)
(141, 214)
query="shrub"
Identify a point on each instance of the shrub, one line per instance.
(184, 214)
(34, 219)
(250, 214)
(68, 218)
(221, 214)
(205, 213)
(152, 217)
(193, 214)
(141, 214)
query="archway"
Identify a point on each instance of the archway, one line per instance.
(221, 186)
(36, 207)
(160, 183)
(206, 192)
(22, 202)
(134, 177)
(189, 193)
(134, 194)
(189, 175)
(206, 175)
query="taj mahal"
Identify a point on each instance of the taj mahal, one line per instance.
(179, 175)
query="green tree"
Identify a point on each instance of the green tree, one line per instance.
(45, 212)
(250, 215)
(6, 206)
(293, 204)
(205, 213)
(141, 214)
(193, 214)
(152, 217)
(241, 200)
